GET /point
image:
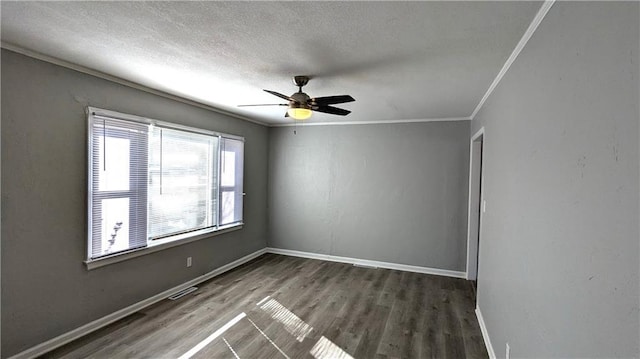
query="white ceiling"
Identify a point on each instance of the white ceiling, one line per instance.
(399, 60)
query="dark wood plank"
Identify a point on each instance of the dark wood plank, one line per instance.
(373, 328)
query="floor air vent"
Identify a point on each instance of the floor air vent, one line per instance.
(182, 293)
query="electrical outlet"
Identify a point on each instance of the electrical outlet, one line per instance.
(508, 351)
(188, 261)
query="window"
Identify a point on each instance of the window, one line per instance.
(152, 182)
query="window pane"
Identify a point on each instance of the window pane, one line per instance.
(115, 224)
(182, 173)
(113, 166)
(231, 181)
(227, 211)
(228, 169)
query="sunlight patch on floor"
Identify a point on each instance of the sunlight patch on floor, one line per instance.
(326, 349)
(263, 300)
(292, 324)
(231, 348)
(212, 337)
(269, 339)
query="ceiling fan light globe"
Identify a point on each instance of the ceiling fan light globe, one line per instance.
(299, 114)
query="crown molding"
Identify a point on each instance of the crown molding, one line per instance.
(121, 81)
(305, 124)
(523, 41)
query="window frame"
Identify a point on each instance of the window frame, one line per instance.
(153, 245)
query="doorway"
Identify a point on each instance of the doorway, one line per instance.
(476, 207)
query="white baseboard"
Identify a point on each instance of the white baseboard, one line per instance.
(368, 263)
(485, 334)
(65, 338)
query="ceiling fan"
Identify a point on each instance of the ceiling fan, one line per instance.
(301, 106)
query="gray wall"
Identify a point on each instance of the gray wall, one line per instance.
(559, 250)
(46, 289)
(389, 192)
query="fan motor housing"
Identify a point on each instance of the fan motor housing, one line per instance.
(301, 100)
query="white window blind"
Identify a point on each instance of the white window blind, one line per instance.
(118, 182)
(150, 180)
(182, 178)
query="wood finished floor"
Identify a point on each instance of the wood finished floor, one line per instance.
(314, 309)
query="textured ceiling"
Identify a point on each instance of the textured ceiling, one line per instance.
(399, 60)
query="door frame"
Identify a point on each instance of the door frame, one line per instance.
(474, 235)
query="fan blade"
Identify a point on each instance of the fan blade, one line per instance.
(281, 95)
(331, 100)
(332, 110)
(265, 104)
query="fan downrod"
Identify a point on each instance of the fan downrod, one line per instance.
(300, 81)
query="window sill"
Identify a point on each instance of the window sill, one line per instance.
(160, 245)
